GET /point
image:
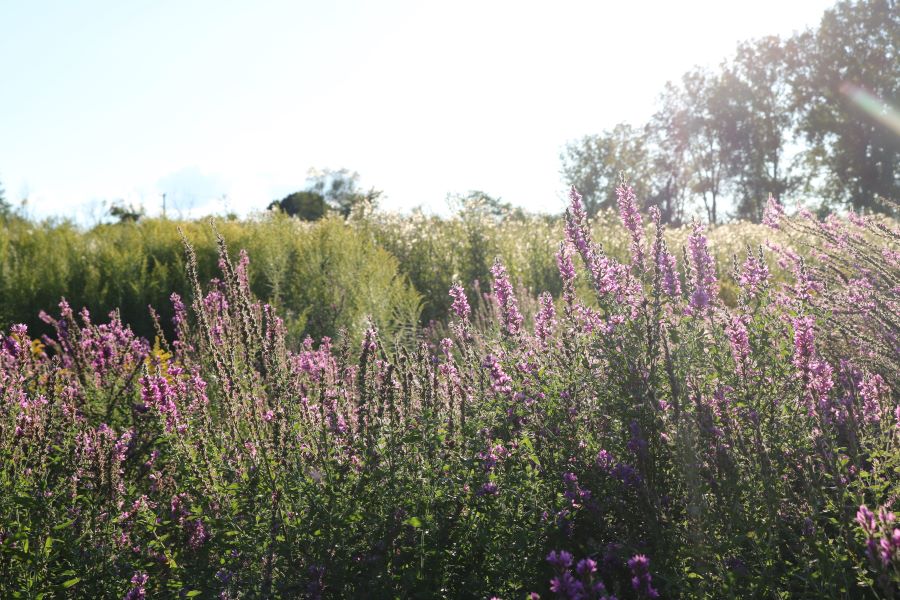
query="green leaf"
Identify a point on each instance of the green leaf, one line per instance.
(193, 593)
(64, 525)
(70, 582)
(414, 522)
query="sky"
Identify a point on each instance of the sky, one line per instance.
(226, 105)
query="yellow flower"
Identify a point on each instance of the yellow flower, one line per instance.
(37, 348)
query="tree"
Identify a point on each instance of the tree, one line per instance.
(340, 189)
(594, 164)
(478, 202)
(667, 141)
(125, 213)
(851, 157)
(306, 205)
(758, 119)
(706, 111)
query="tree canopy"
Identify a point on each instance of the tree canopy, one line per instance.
(337, 190)
(781, 117)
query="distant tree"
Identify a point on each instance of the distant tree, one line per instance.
(340, 189)
(707, 110)
(594, 163)
(851, 157)
(667, 141)
(478, 202)
(306, 205)
(125, 213)
(757, 121)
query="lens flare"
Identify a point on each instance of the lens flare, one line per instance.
(873, 106)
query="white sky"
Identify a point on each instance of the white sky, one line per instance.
(101, 100)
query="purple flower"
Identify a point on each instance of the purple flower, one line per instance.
(500, 381)
(488, 489)
(641, 579)
(754, 274)
(460, 304)
(545, 321)
(606, 274)
(739, 340)
(703, 271)
(586, 567)
(773, 213)
(509, 308)
(567, 586)
(871, 390)
(631, 218)
(866, 519)
(138, 592)
(671, 284)
(637, 444)
(560, 559)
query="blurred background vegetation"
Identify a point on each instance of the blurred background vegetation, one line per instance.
(323, 276)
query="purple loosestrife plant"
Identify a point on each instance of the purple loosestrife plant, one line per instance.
(234, 456)
(631, 219)
(510, 317)
(703, 280)
(545, 321)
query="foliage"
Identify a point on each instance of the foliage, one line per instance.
(130, 266)
(635, 438)
(779, 118)
(856, 46)
(126, 213)
(341, 190)
(305, 205)
(595, 164)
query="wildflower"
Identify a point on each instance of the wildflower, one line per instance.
(500, 381)
(576, 223)
(567, 586)
(637, 444)
(488, 489)
(157, 394)
(739, 340)
(545, 321)
(586, 566)
(773, 213)
(641, 580)
(871, 389)
(631, 218)
(703, 273)
(138, 592)
(509, 308)
(816, 373)
(560, 559)
(754, 274)
(671, 284)
(606, 274)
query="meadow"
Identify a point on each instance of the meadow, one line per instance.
(338, 409)
(322, 277)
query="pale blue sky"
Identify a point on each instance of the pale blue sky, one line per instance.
(101, 100)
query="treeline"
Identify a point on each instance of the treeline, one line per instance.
(807, 116)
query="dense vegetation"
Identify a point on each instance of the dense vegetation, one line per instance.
(634, 437)
(322, 277)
